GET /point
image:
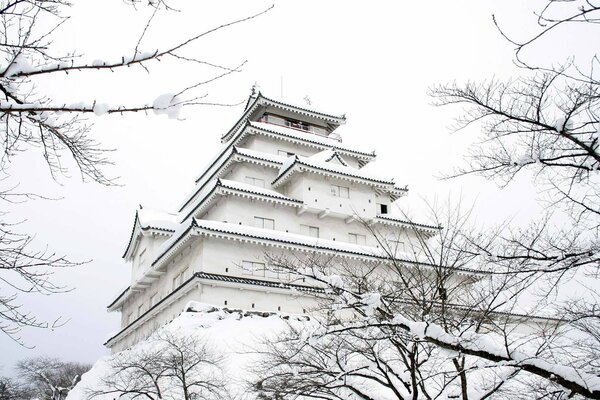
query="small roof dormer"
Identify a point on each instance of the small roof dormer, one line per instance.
(262, 109)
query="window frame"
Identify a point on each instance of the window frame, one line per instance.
(259, 222)
(336, 191)
(354, 238)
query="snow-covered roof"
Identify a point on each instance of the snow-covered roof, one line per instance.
(225, 186)
(233, 153)
(328, 156)
(396, 220)
(206, 276)
(147, 219)
(321, 141)
(259, 100)
(274, 238)
(296, 163)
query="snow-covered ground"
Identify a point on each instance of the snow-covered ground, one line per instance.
(233, 334)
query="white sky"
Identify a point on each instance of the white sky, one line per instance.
(373, 61)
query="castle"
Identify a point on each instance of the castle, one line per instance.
(283, 181)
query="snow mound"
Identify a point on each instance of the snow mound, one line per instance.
(231, 333)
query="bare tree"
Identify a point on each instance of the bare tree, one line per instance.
(168, 366)
(12, 389)
(376, 334)
(50, 378)
(32, 120)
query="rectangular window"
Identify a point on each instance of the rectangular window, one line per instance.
(253, 268)
(265, 223)
(278, 272)
(255, 181)
(153, 299)
(340, 191)
(357, 238)
(309, 230)
(397, 245)
(383, 208)
(142, 257)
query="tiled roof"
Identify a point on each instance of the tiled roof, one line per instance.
(237, 187)
(405, 222)
(262, 100)
(253, 234)
(295, 162)
(310, 138)
(148, 219)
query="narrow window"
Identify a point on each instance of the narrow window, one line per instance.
(309, 230)
(253, 268)
(255, 181)
(265, 223)
(340, 191)
(383, 208)
(153, 299)
(357, 238)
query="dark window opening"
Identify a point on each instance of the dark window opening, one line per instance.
(383, 209)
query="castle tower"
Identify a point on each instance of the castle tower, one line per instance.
(283, 181)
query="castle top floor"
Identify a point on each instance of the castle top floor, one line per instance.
(309, 121)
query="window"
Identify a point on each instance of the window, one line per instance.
(340, 191)
(153, 299)
(357, 238)
(255, 181)
(309, 230)
(397, 245)
(265, 223)
(253, 268)
(277, 272)
(284, 153)
(383, 208)
(296, 124)
(142, 257)
(180, 278)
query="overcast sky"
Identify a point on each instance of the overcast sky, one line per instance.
(372, 61)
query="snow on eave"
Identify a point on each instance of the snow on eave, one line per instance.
(138, 229)
(261, 100)
(429, 229)
(235, 154)
(302, 164)
(289, 240)
(226, 279)
(118, 300)
(316, 141)
(336, 119)
(224, 187)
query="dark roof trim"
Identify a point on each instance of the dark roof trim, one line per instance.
(341, 118)
(223, 278)
(382, 257)
(219, 184)
(136, 223)
(299, 162)
(308, 140)
(232, 152)
(437, 228)
(250, 107)
(118, 297)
